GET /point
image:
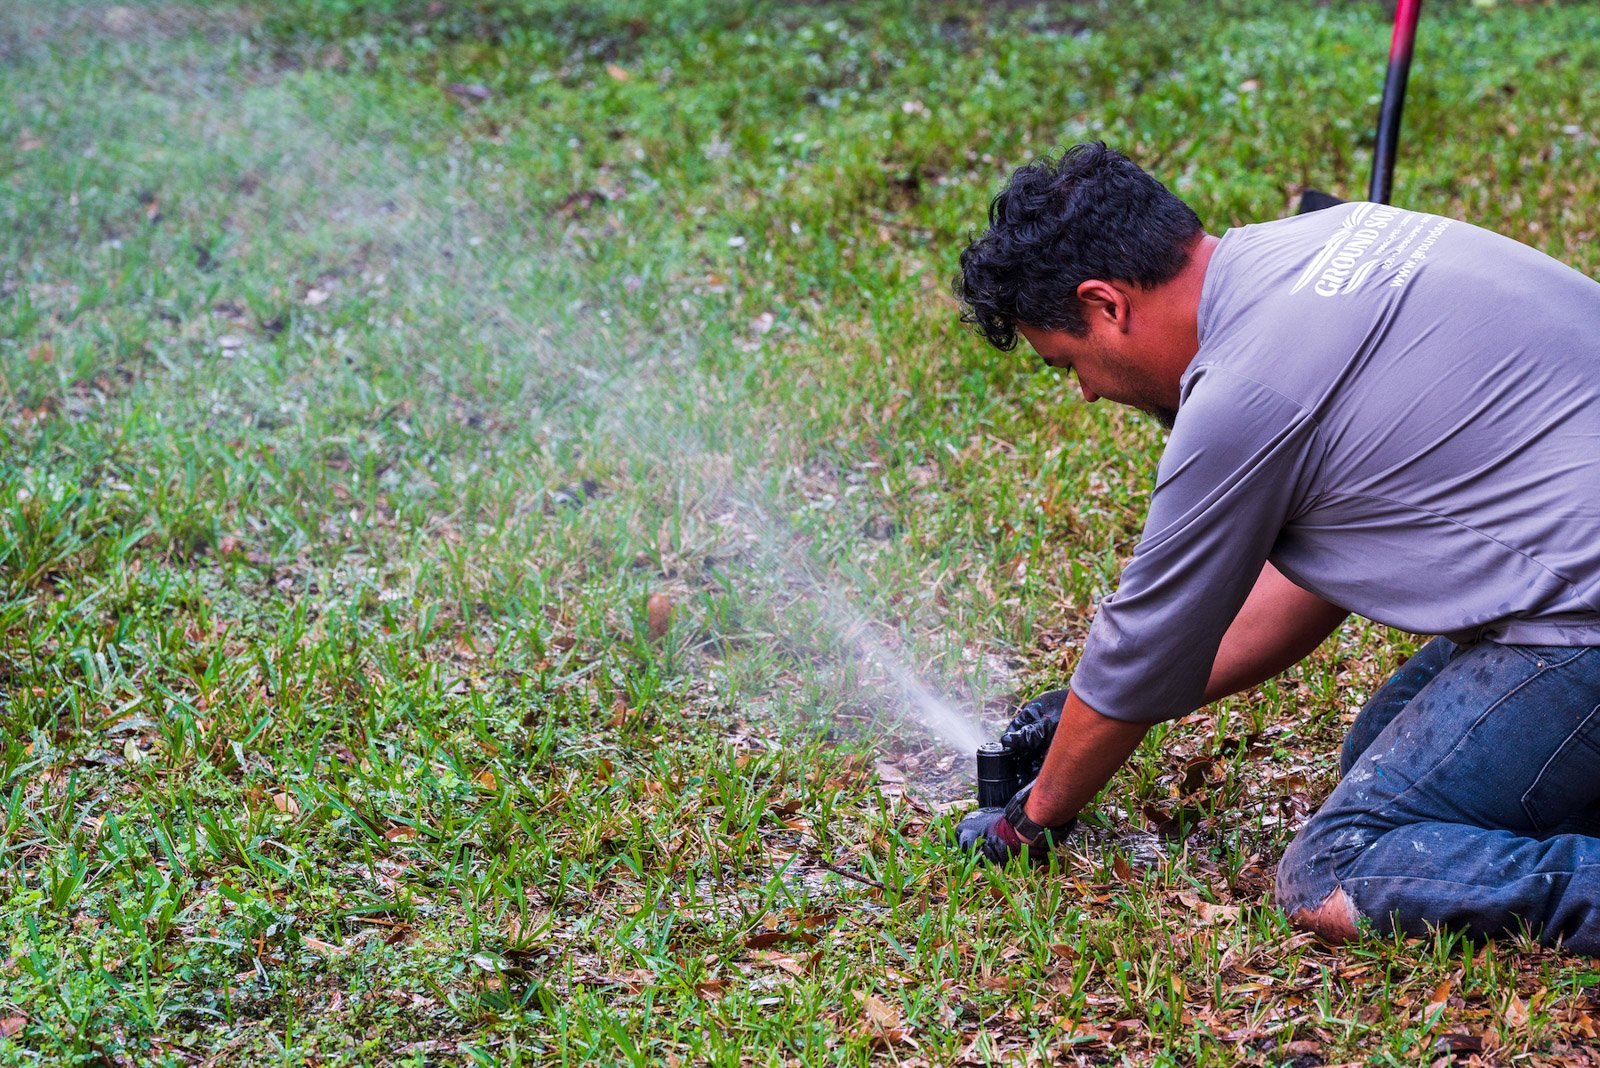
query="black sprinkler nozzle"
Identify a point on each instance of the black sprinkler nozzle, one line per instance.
(999, 775)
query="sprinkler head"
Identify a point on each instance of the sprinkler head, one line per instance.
(999, 775)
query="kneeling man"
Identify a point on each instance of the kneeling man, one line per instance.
(1372, 410)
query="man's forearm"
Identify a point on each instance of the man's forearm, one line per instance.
(1279, 626)
(1087, 750)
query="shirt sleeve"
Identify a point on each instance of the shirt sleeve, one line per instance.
(1235, 471)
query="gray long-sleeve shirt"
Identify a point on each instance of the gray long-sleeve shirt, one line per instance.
(1402, 413)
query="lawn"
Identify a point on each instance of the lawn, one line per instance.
(493, 492)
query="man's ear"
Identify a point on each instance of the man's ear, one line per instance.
(1104, 304)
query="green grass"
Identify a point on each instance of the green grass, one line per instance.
(352, 425)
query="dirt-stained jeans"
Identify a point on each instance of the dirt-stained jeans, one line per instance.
(1469, 799)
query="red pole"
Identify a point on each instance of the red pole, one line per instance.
(1394, 98)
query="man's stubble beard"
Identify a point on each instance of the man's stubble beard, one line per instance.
(1139, 389)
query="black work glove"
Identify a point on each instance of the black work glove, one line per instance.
(989, 833)
(993, 832)
(1032, 727)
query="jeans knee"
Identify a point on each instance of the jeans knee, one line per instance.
(1305, 879)
(1310, 892)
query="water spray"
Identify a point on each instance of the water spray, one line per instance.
(421, 211)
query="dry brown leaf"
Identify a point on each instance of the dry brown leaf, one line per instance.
(778, 960)
(10, 1025)
(1458, 1043)
(1440, 997)
(1061, 982)
(1078, 1031)
(286, 804)
(659, 610)
(618, 73)
(879, 1012)
(888, 773)
(400, 834)
(634, 979)
(1516, 1014)
(764, 939)
(486, 780)
(1208, 912)
(1248, 988)
(317, 945)
(890, 1036)
(619, 713)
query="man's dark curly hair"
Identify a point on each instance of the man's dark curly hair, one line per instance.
(1093, 213)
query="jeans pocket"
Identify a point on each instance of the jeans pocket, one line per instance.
(1548, 656)
(1569, 783)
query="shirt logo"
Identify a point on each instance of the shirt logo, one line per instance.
(1339, 268)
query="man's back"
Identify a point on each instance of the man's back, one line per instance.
(1402, 413)
(1454, 379)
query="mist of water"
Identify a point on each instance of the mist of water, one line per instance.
(570, 358)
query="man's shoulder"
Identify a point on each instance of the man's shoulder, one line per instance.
(1227, 418)
(1215, 391)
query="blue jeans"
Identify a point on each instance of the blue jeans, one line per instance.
(1469, 799)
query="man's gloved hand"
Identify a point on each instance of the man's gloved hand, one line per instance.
(1000, 834)
(1033, 726)
(987, 831)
